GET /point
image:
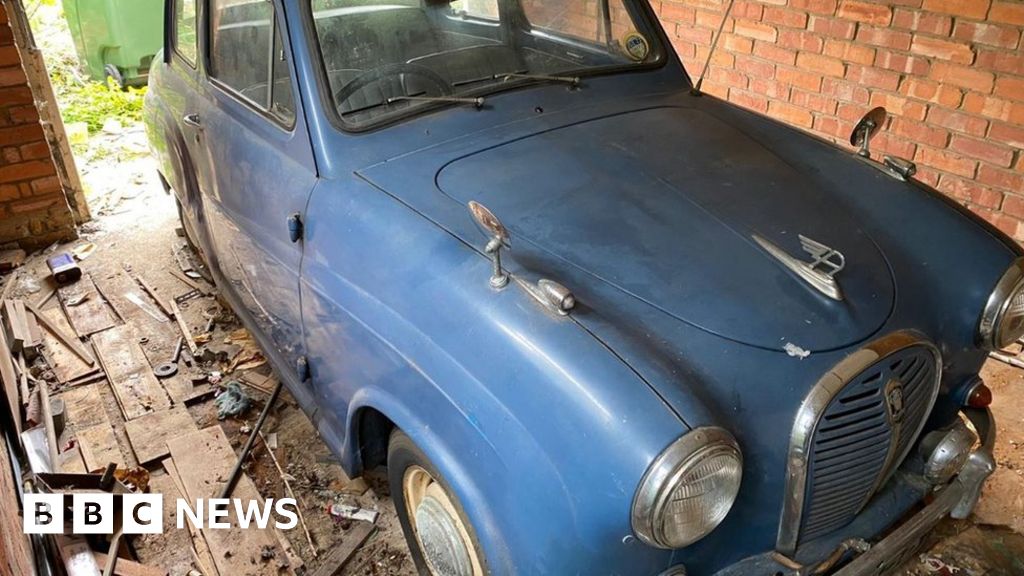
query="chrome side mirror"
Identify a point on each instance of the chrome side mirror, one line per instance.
(866, 129)
(499, 239)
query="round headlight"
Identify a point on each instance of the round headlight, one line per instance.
(1002, 321)
(689, 489)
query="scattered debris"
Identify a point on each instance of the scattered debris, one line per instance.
(346, 512)
(11, 259)
(83, 251)
(232, 401)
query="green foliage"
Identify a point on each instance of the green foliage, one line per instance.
(94, 102)
(80, 99)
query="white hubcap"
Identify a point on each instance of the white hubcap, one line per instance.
(442, 535)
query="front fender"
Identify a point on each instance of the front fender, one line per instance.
(542, 432)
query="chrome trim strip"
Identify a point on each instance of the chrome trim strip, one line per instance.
(998, 302)
(810, 412)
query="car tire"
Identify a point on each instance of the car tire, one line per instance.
(441, 538)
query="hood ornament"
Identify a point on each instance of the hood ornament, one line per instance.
(819, 272)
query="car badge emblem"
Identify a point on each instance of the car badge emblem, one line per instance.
(819, 272)
(895, 400)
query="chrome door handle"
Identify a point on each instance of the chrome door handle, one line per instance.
(193, 121)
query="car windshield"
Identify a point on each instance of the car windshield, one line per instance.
(388, 58)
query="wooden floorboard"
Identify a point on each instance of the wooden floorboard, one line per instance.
(149, 434)
(95, 435)
(204, 461)
(93, 314)
(130, 375)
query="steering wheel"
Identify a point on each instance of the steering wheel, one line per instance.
(377, 74)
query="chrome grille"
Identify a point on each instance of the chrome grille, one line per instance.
(853, 431)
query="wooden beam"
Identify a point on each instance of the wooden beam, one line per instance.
(189, 340)
(10, 380)
(68, 340)
(191, 283)
(204, 460)
(152, 294)
(341, 554)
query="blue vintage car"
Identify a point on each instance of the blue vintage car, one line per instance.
(593, 321)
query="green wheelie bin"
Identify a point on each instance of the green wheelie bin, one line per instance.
(116, 39)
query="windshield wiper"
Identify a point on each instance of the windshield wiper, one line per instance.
(573, 81)
(477, 102)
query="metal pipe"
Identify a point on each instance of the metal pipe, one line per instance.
(237, 472)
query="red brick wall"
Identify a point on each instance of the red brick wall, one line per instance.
(950, 72)
(33, 208)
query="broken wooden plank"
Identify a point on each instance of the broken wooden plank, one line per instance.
(183, 391)
(57, 325)
(171, 550)
(341, 554)
(22, 378)
(191, 283)
(200, 548)
(156, 297)
(51, 428)
(189, 340)
(95, 436)
(91, 314)
(15, 325)
(35, 334)
(45, 296)
(148, 434)
(71, 461)
(204, 461)
(259, 382)
(131, 378)
(89, 378)
(10, 381)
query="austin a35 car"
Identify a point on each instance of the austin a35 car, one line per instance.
(591, 320)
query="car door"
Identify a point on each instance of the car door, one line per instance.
(174, 88)
(258, 168)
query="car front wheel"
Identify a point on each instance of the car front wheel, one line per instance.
(440, 537)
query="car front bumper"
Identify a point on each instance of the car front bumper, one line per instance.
(956, 499)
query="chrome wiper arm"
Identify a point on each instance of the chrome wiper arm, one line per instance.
(477, 102)
(573, 81)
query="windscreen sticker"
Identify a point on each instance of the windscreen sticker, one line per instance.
(636, 46)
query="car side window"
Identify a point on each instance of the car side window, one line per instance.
(185, 37)
(481, 9)
(282, 103)
(247, 55)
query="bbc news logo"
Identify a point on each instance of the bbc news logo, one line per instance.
(93, 513)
